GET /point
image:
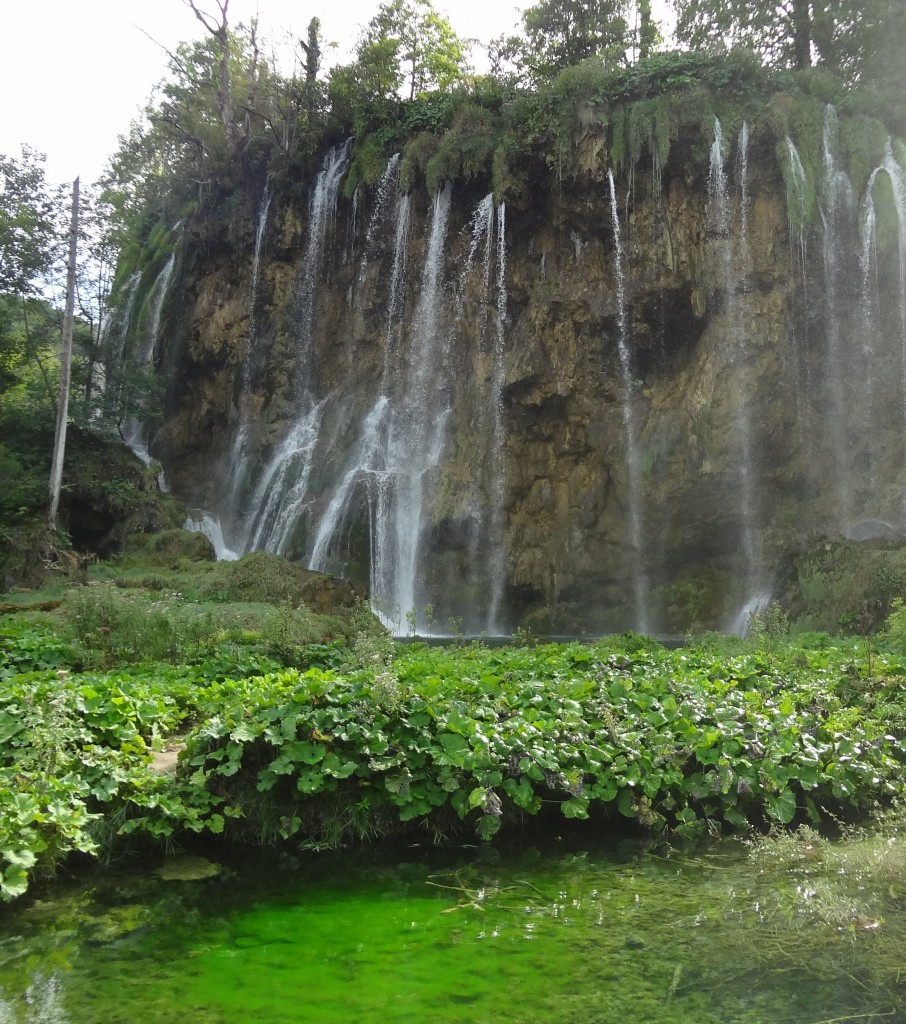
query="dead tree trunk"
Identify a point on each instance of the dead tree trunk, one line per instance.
(59, 441)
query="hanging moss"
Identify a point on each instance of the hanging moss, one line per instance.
(619, 139)
(807, 131)
(691, 114)
(887, 221)
(662, 131)
(466, 148)
(369, 158)
(416, 154)
(801, 201)
(863, 141)
(440, 168)
(640, 125)
(508, 179)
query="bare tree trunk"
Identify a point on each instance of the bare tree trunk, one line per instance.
(59, 443)
(220, 31)
(801, 21)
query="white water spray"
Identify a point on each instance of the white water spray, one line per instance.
(731, 267)
(133, 431)
(627, 407)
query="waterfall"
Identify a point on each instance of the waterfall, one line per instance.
(116, 327)
(868, 305)
(742, 178)
(489, 234)
(731, 267)
(199, 521)
(133, 431)
(398, 276)
(415, 440)
(280, 496)
(755, 604)
(322, 210)
(260, 232)
(403, 436)
(123, 330)
(871, 309)
(366, 460)
(837, 196)
(498, 561)
(797, 181)
(238, 455)
(636, 524)
(386, 190)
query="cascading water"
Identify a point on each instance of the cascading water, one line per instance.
(116, 326)
(868, 305)
(403, 435)
(797, 182)
(415, 440)
(122, 329)
(633, 474)
(731, 268)
(279, 498)
(239, 454)
(133, 431)
(398, 278)
(498, 449)
(386, 190)
(367, 460)
(871, 311)
(836, 211)
(260, 232)
(742, 177)
(756, 604)
(199, 521)
(322, 211)
(488, 234)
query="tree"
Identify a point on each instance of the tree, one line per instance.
(222, 37)
(880, 70)
(59, 444)
(562, 33)
(28, 240)
(648, 33)
(837, 34)
(409, 42)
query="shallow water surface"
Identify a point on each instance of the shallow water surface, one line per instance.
(802, 934)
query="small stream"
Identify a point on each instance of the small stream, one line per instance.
(805, 933)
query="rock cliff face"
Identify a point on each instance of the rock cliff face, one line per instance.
(623, 403)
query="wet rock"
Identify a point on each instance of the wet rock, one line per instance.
(187, 867)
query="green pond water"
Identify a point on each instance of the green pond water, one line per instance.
(803, 932)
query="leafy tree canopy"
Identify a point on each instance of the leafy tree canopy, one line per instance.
(562, 33)
(839, 34)
(28, 237)
(409, 44)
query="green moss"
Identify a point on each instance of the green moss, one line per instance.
(887, 218)
(619, 139)
(508, 180)
(416, 154)
(369, 158)
(847, 587)
(863, 141)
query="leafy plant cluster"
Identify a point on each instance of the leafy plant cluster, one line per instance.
(75, 755)
(365, 740)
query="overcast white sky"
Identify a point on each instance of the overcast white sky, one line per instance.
(74, 73)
